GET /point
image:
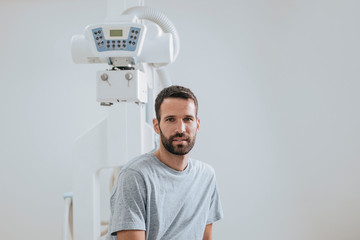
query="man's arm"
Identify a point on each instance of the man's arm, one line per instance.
(208, 232)
(131, 235)
(128, 209)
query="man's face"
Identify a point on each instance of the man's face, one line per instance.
(178, 125)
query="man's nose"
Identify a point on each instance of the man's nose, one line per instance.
(180, 128)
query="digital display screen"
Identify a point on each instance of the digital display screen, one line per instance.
(116, 33)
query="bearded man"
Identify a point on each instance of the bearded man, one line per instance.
(166, 195)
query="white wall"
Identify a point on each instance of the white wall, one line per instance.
(278, 85)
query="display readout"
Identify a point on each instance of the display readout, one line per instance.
(116, 32)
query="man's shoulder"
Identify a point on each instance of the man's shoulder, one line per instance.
(144, 166)
(201, 166)
(139, 163)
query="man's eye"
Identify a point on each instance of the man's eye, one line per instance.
(170, 119)
(188, 119)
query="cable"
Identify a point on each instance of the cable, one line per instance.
(168, 27)
(160, 19)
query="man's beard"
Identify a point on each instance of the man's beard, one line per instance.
(179, 149)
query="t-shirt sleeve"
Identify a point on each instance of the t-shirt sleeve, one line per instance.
(215, 210)
(128, 203)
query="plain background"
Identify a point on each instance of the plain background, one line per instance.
(278, 86)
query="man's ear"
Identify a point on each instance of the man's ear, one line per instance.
(198, 125)
(156, 126)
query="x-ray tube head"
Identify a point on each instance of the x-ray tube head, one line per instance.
(146, 43)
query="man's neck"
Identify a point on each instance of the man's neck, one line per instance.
(176, 162)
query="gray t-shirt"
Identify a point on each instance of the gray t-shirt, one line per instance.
(167, 204)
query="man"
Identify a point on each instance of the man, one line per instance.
(165, 195)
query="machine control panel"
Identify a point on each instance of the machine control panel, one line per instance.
(116, 39)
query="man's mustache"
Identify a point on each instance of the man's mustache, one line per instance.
(180, 135)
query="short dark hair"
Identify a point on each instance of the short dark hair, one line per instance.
(174, 92)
